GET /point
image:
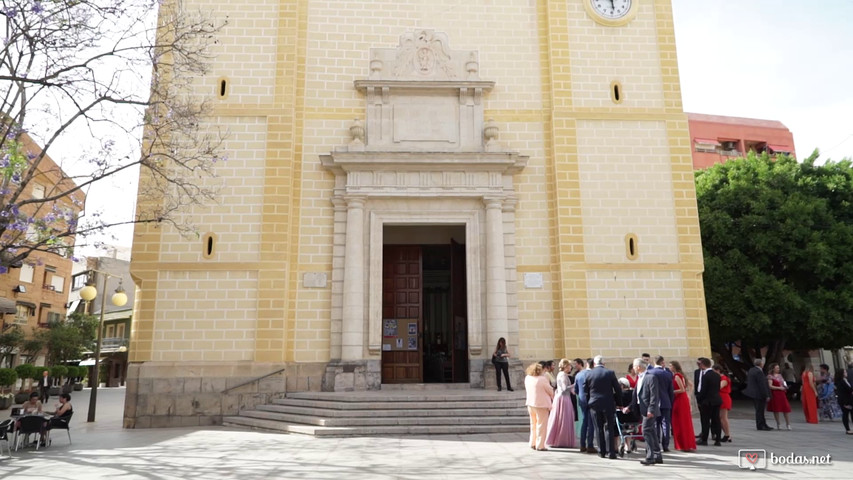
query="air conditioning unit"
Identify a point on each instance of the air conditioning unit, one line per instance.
(728, 145)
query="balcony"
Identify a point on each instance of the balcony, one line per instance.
(113, 344)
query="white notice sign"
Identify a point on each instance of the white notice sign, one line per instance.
(533, 280)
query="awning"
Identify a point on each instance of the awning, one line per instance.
(89, 362)
(706, 141)
(7, 306)
(779, 148)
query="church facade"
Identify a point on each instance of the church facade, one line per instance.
(409, 181)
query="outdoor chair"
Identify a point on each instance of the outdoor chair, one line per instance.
(30, 424)
(5, 429)
(60, 423)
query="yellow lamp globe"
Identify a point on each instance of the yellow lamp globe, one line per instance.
(88, 293)
(119, 298)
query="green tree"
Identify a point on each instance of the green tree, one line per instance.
(66, 340)
(9, 341)
(777, 237)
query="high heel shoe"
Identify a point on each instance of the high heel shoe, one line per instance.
(725, 439)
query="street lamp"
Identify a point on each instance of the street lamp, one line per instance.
(119, 299)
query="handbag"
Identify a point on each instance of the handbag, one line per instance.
(494, 360)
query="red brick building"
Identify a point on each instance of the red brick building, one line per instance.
(36, 292)
(716, 138)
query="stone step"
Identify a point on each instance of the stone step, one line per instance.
(414, 411)
(345, 398)
(371, 421)
(423, 403)
(458, 429)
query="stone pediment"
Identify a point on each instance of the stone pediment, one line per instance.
(423, 55)
(423, 96)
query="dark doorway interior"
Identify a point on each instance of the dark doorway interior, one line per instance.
(433, 275)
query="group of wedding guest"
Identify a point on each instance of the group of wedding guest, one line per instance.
(586, 392)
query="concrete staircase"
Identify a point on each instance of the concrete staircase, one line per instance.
(392, 411)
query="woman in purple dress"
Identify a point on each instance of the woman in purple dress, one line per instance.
(561, 422)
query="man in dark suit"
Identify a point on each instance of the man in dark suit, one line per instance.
(667, 397)
(709, 401)
(587, 431)
(604, 394)
(759, 391)
(44, 387)
(647, 400)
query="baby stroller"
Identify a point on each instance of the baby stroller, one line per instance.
(629, 425)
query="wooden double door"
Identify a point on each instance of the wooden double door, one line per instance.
(424, 312)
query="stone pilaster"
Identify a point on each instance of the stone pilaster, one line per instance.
(352, 336)
(496, 309)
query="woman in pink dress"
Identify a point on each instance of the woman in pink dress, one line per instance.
(682, 420)
(561, 421)
(726, 397)
(778, 396)
(808, 395)
(540, 397)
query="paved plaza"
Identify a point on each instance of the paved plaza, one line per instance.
(104, 450)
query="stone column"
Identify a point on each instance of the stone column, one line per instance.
(496, 310)
(352, 328)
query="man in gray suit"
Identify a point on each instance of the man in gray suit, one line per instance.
(647, 397)
(759, 391)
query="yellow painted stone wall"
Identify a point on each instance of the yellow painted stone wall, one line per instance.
(596, 171)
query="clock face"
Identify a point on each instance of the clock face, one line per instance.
(611, 9)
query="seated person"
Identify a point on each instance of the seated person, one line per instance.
(63, 410)
(33, 405)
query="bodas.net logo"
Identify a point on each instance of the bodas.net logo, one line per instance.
(752, 458)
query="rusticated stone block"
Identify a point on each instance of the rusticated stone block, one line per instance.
(161, 405)
(190, 421)
(165, 422)
(212, 384)
(192, 385)
(164, 386)
(206, 404)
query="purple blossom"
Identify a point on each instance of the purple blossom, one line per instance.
(37, 8)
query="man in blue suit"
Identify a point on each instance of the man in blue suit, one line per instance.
(604, 393)
(667, 396)
(587, 431)
(647, 400)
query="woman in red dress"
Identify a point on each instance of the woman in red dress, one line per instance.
(809, 394)
(682, 420)
(726, 396)
(631, 376)
(778, 396)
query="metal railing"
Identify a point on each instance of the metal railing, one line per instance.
(254, 380)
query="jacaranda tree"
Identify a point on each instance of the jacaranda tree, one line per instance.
(79, 72)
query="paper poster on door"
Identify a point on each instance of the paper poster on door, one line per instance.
(413, 343)
(413, 329)
(399, 343)
(389, 327)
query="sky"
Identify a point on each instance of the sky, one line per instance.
(785, 60)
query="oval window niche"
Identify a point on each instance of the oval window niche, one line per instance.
(208, 245)
(631, 246)
(222, 88)
(616, 93)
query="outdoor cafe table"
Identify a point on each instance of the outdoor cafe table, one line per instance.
(44, 416)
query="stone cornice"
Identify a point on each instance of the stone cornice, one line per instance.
(498, 162)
